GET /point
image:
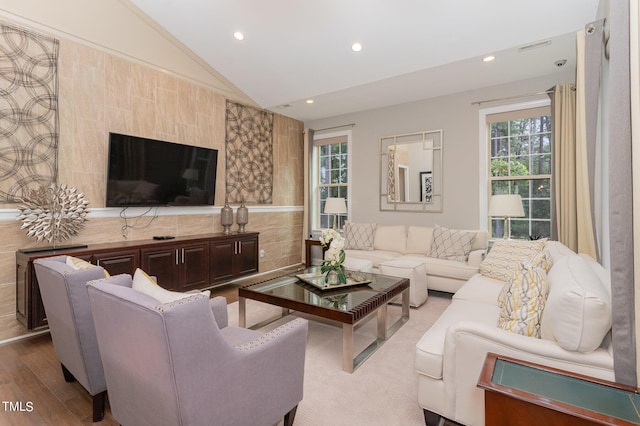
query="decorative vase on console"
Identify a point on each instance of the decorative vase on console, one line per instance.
(226, 217)
(242, 217)
(332, 266)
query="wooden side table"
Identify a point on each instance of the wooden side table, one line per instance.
(307, 250)
(523, 393)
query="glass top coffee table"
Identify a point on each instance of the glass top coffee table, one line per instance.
(351, 306)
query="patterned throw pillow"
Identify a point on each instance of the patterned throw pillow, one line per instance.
(145, 284)
(78, 264)
(504, 256)
(451, 244)
(522, 300)
(359, 236)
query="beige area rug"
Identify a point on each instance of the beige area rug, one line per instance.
(382, 391)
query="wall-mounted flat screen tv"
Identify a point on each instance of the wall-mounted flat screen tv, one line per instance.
(146, 172)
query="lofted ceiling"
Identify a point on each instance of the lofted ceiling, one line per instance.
(294, 50)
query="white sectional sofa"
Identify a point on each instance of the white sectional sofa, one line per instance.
(574, 328)
(384, 243)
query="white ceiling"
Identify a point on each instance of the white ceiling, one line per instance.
(413, 49)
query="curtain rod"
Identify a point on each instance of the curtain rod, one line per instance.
(335, 127)
(512, 97)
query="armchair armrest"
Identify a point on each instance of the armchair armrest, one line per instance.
(219, 309)
(476, 257)
(294, 326)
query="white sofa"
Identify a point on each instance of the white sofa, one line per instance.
(575, 336)
(400, 242)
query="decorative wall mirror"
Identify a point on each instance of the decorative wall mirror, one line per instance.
(411, 172)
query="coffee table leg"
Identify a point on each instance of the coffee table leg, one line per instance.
(347, 348)
(242, 312)
(382, 322)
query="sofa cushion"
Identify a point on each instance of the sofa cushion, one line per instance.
(449, 268)
(578, 310)
(359, 236)
(419, 240)
(375, 256)
(480, 289)
(451, 244)
(505, 255)
(391, 238)
(522, 300)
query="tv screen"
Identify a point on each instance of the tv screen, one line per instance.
(146, 172)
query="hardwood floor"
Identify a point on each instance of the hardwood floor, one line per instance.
(33, 390)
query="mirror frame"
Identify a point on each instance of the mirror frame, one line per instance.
(431, 140)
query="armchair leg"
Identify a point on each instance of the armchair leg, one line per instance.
(98, 406)
(288, 418)
(68, 377)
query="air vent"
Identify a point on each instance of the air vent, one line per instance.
(534, 46)
(284, 106)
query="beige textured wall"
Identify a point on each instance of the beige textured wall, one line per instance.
(99, 93)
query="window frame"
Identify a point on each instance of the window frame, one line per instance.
(318, 141)
(485, 179)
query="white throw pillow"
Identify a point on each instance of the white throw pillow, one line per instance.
(578, 310)
(145, 284)
(451, 244)
(359, 236)
(78, 264)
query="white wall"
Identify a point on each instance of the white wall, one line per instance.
(458, 118)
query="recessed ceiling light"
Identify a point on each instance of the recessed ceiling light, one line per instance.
(356, 47)
(238, 35)
(309, 101)
(488, 58)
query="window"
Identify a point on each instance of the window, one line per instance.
(520, 163)
(332, 169)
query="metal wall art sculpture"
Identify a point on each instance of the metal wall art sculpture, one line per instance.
(28, 112)
(249, 147)
(54, 213)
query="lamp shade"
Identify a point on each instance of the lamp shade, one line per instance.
(506, 205)
(335, 206)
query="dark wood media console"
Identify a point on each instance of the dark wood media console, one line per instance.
(180, 264)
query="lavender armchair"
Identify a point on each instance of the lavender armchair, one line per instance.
(179, 362)
(66, 303)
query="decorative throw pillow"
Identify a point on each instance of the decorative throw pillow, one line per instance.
(78, 264)
(522, 300)
(543, 259)
(145, 284)
(451, 244)
(359, 236)
(504, 256)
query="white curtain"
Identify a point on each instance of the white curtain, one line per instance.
(585, 172)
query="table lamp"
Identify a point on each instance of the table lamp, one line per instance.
(335, 206)
(506, 206)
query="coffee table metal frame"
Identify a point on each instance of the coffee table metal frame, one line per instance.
(351, 320)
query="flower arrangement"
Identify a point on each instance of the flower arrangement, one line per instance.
(332, 266)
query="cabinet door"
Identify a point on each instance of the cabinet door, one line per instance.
(247, 256)
(162, 263)
(194, 265)
(118, 262)
(221, 260)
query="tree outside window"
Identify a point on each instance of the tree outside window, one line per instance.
(332, 179)
(520, 163)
